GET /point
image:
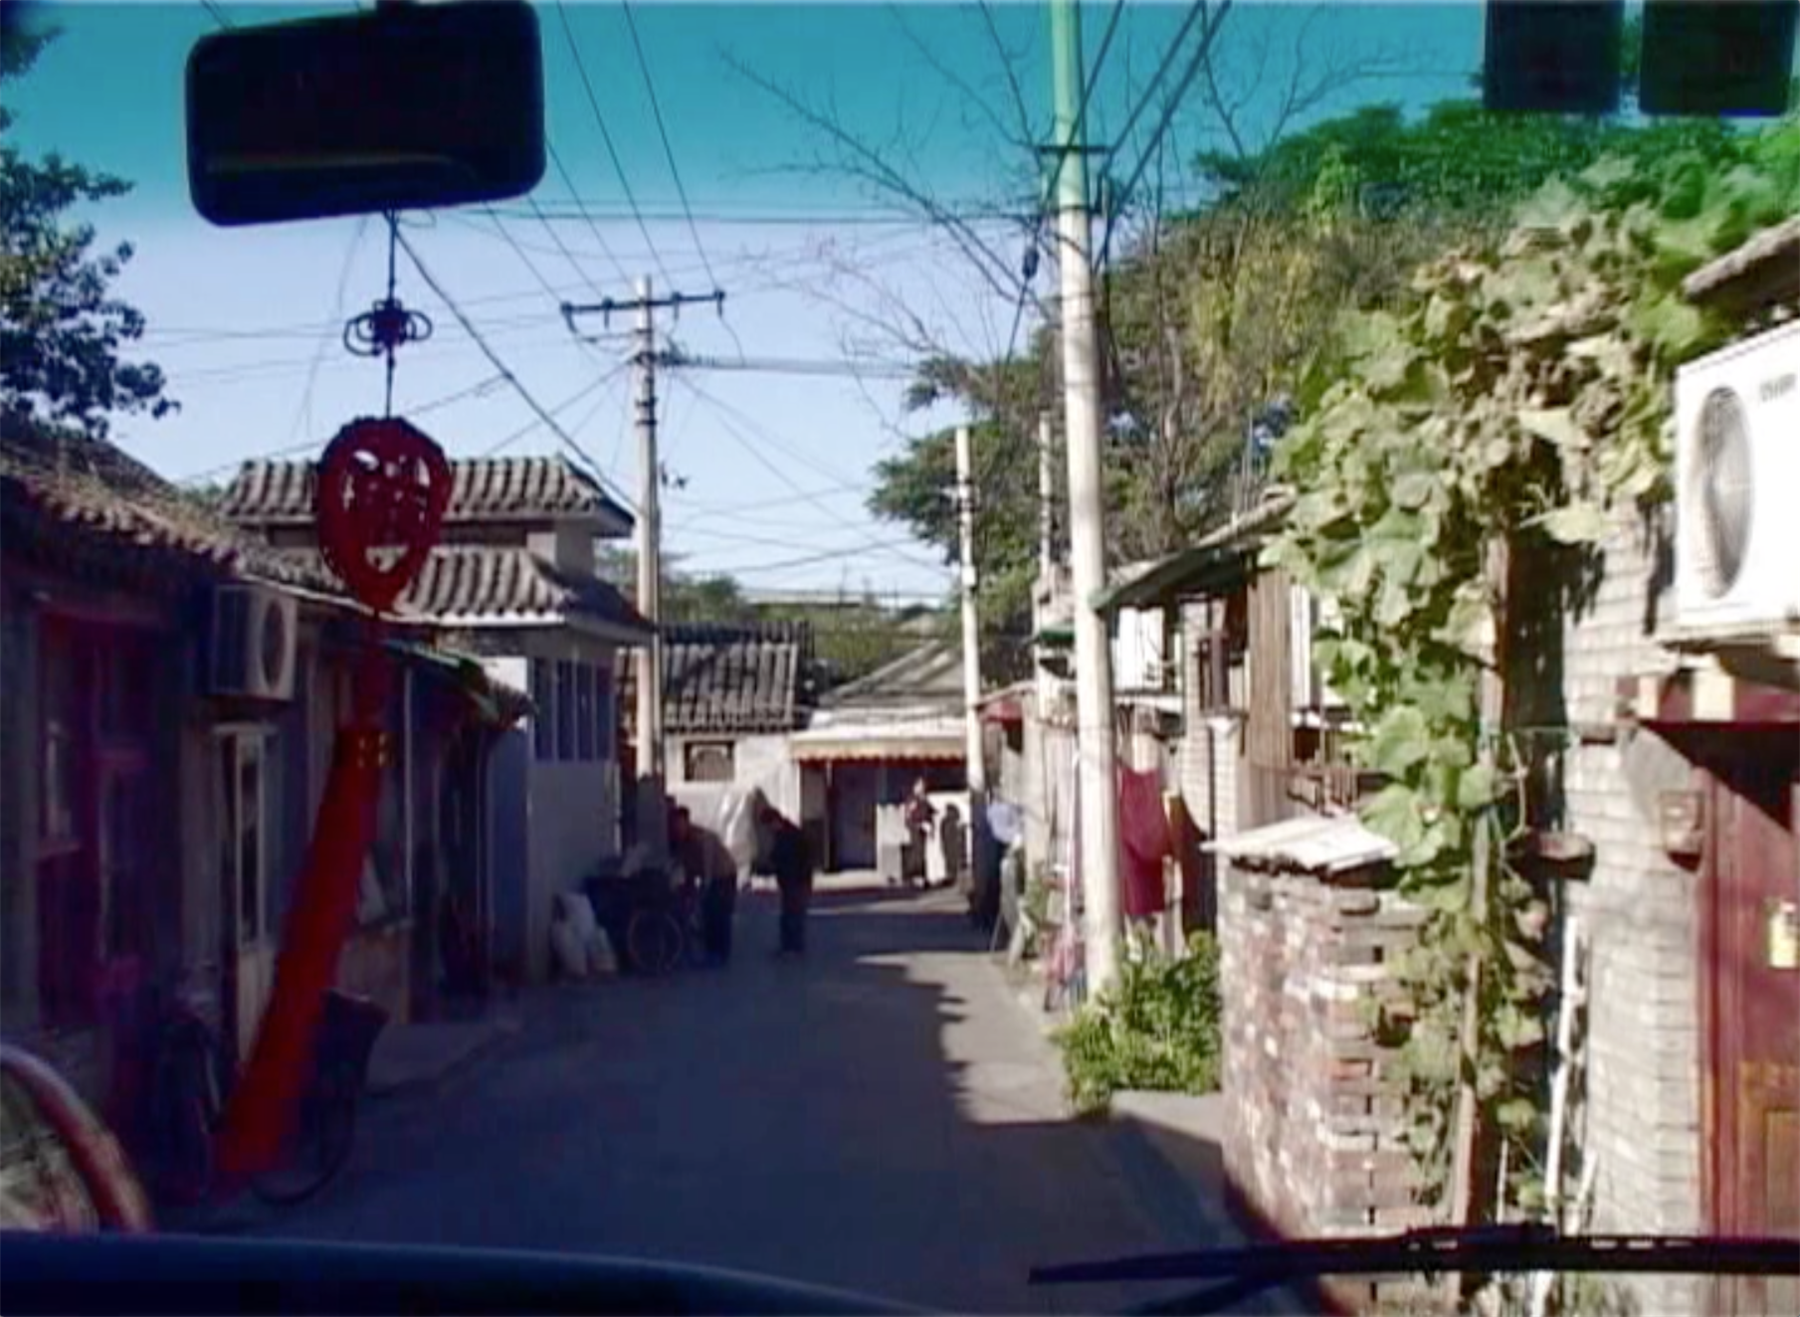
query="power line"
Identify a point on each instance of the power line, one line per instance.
(813, 219)
(506, 372)
(581, 209)
(662, 131)
(840, 367)
(612, 151)
(769, 437)
(775, 470)
(1188, 75)
(591, 387)
(802, 496)
(291, 450)
(833, 555)
(1195, 9)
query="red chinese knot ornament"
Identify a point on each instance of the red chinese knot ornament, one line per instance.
(383, 487)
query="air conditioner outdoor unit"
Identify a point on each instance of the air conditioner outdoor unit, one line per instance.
(1737, 473)
(250, 653)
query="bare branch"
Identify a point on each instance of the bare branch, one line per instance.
(868, 164)
(956, 80)
(1008, 66)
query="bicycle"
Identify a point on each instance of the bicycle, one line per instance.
(666, 933)
(190, 1082)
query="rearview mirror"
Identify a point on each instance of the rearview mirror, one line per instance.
(405, 107)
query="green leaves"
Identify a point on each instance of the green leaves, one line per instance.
(1578, 523)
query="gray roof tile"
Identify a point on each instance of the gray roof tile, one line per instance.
(482, 489)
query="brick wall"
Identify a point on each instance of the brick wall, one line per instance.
(1314, 1127)
(1642, 916)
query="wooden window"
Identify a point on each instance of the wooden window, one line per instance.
(710, 761)
(586, 732)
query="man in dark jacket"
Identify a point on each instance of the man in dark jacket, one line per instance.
(783, 852)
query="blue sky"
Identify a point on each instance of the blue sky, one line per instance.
(246, 322)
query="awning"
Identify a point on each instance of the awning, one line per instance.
(495, 701)
(936, 740)
(1218, 561)
(1323, 844)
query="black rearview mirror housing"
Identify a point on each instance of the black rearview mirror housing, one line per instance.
(404, 107)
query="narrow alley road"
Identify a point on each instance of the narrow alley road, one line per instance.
(884, 1117)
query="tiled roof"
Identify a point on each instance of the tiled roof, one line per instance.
(750, 677)
(482, 489)
(474, 585)
(86, 498)
(930, 675)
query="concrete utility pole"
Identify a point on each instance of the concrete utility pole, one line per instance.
(649, 541)
(971, 636)
(1046, 497)
(651, 767)
(1099, 812)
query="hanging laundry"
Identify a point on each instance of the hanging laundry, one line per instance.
(1143, 843)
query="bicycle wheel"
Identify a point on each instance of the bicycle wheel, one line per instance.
(319, 1144)
(655, 942)
(184, 1109)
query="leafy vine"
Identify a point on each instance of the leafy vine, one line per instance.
(1506, 412)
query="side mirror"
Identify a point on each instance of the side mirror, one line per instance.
(405, 107)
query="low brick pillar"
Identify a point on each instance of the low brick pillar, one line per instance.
(1314, 1105)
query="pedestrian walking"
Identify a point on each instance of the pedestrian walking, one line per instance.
(783, 853)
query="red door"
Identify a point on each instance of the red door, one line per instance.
(1753, 1091)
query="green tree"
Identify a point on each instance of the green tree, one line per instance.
(61, 330)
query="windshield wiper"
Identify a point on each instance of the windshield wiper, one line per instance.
(1244, 1272)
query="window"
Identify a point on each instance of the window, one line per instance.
(242, 806)
(710, 761)
(605, 721)
(543, 726)
(585, 729)
(565, 710)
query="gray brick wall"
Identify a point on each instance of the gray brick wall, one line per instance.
(1641, 914)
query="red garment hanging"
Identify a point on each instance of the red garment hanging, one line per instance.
(1143, 843)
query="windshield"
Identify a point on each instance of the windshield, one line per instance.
(996, 635)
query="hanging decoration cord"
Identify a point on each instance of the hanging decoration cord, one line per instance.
(389, 324)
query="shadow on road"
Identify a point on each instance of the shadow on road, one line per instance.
(884, 1116)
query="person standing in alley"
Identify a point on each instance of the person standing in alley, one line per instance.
(921, 815)
(782, 852)
(710, 867)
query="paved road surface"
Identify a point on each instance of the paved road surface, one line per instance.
(884, 1117)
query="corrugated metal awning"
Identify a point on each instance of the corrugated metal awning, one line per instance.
(1324, 844)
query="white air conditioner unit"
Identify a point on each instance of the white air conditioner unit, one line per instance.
(1737, 479)
(250, 652)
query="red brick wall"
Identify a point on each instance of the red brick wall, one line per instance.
(1314, 1130)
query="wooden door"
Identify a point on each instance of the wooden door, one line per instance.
(1753, 874)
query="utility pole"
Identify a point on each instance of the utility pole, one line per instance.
(1046, 683)
(1046, 498)
(971, 636)
(649, 541)
(1099, 811)
(651, 767)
